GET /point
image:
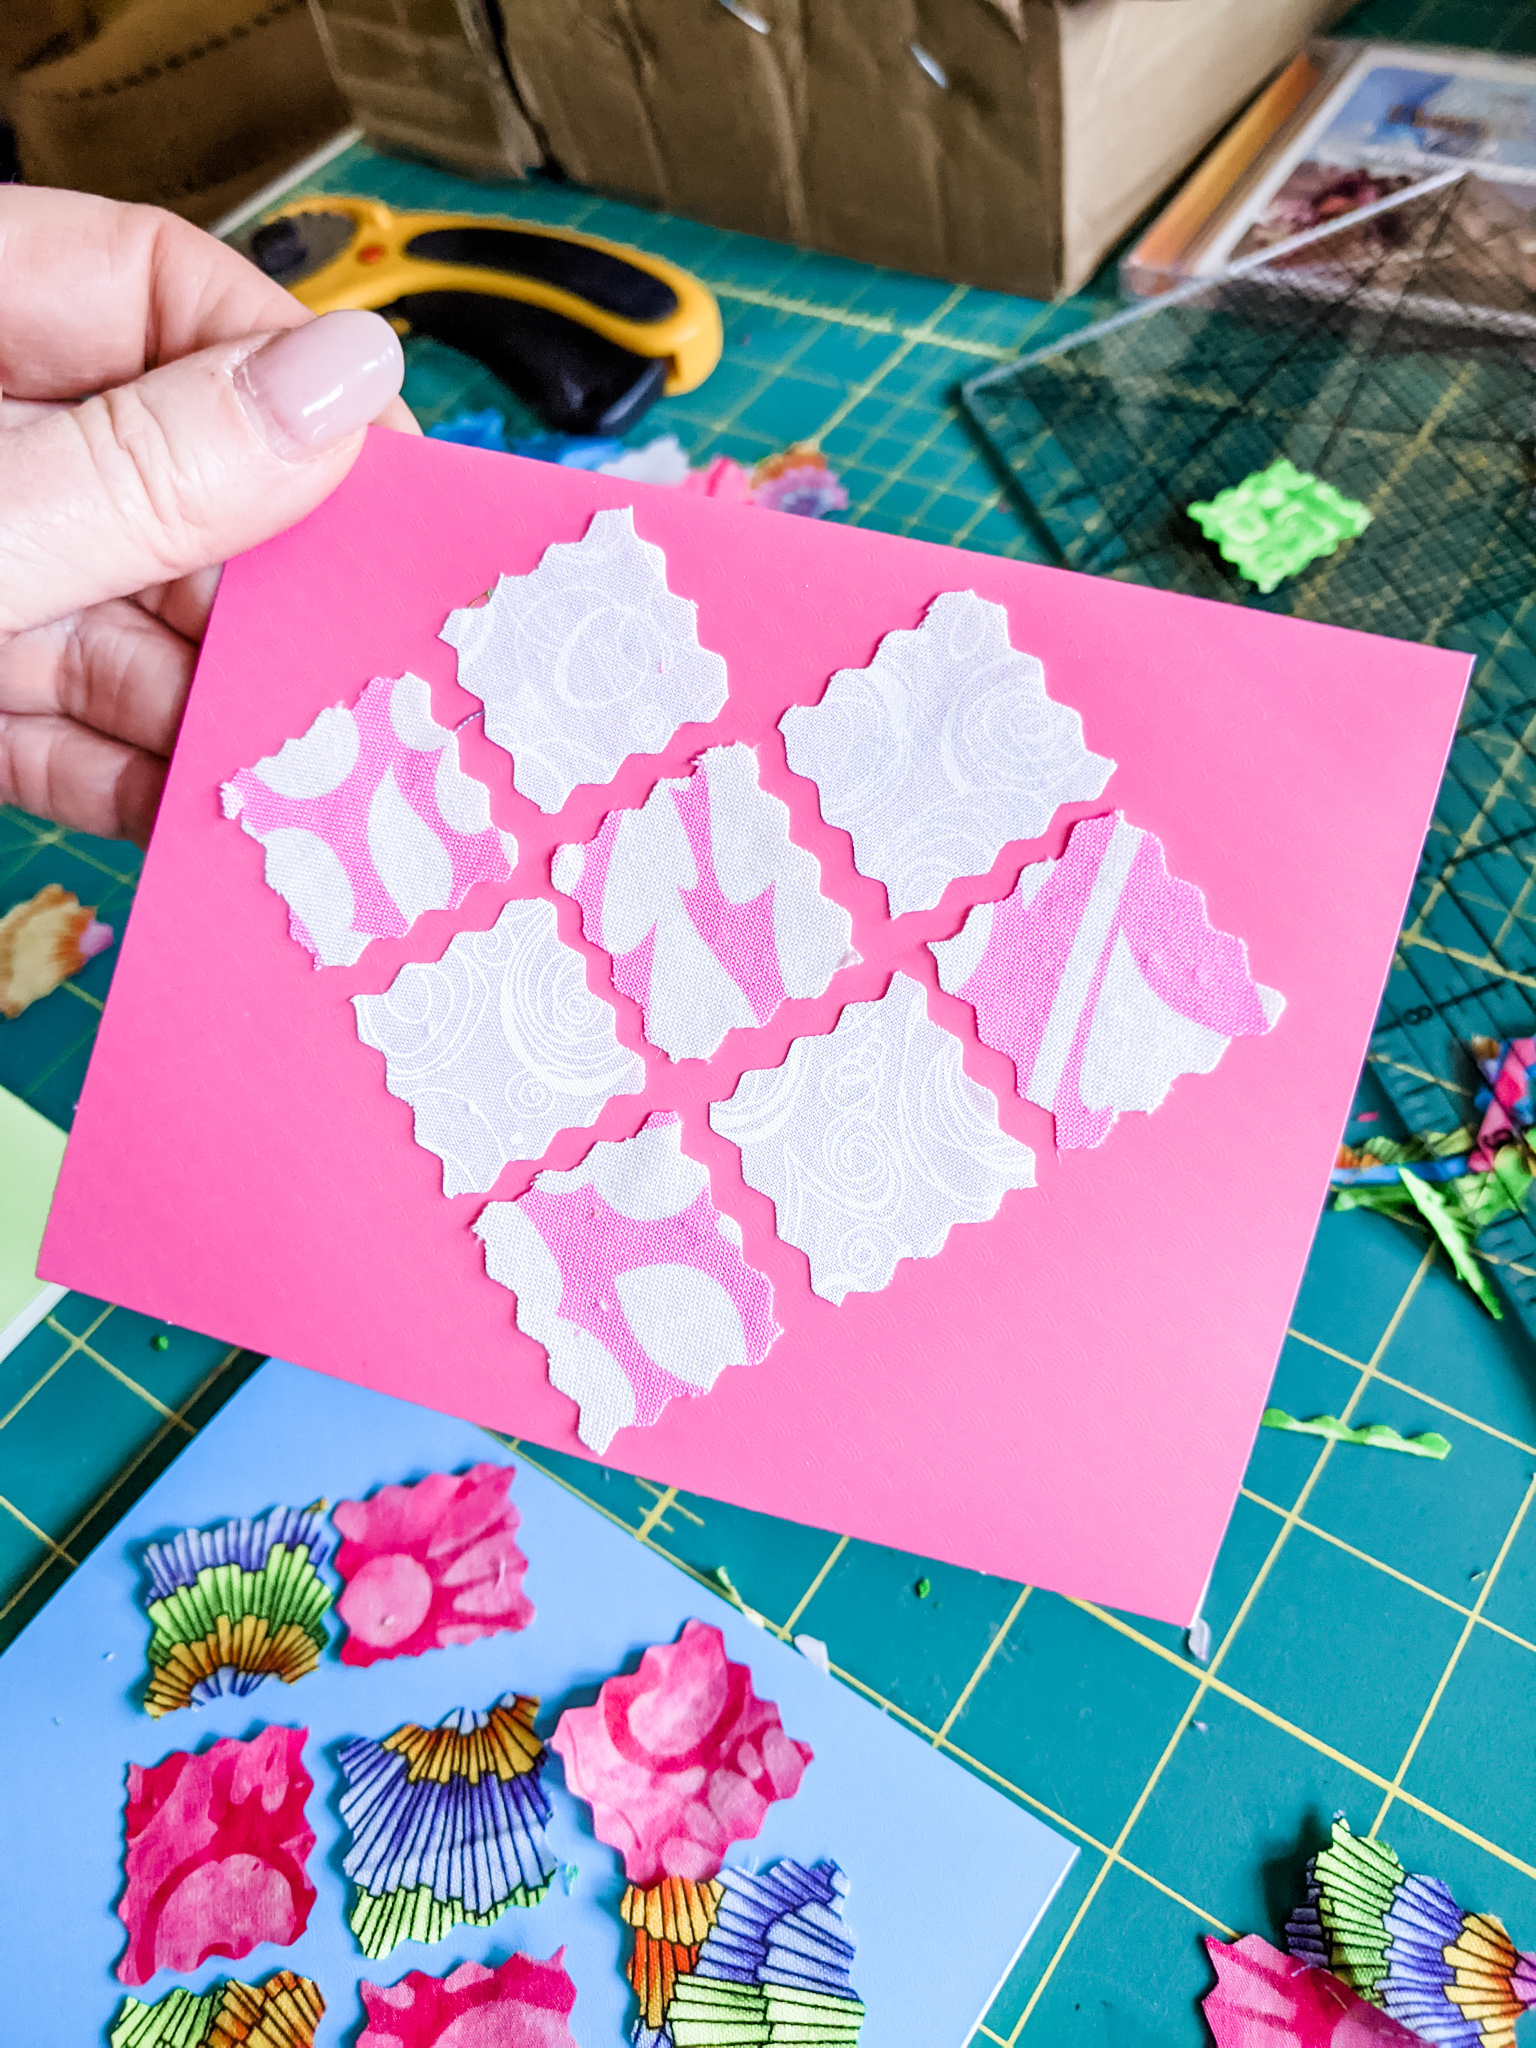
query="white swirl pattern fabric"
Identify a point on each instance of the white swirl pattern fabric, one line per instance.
(872, 1141)
(941, 751)
(497, 1046)
(712, 915)
(586, 660)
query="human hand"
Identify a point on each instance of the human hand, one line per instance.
(212, 427)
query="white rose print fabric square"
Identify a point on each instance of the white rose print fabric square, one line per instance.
(367, 820)
(586, 660)
(498, 1046)
(712, 915)
(941, 751)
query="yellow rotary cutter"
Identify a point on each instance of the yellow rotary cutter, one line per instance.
(589, 333)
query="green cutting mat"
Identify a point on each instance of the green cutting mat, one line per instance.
(1370, 1615)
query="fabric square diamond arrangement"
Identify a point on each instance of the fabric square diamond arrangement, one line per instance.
(585, 661)
(630, 1278)
(281, 2013)
(1103, 980)
(367, 820)
(498, 1046)
(447, 1825)
(713, 917)
(942, 751)
(524, 2004)
(871, 1142)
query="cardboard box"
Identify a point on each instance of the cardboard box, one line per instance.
(1000, 143)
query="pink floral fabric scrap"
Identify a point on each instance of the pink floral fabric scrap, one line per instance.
(679, 1759)
(431, 1564)
(217, 1845)
(368, 820)
(1264, 1999)
(524, 2004)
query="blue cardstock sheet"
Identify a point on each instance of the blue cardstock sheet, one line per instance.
(947, 1878)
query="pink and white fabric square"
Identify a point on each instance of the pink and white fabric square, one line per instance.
(630, 1278)
(1103, 980)
(367, 820)
(712, 915)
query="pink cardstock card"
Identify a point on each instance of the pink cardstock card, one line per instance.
(1066, 1390)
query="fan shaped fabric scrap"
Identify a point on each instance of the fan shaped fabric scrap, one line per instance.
(713, 917)
(447, 1825)
(523, 2004)
(1263, 1999)
(367, 820)
(631, 1279)
(234, 1605)
(1102, 979)
(431, 1564)
(281, 2013)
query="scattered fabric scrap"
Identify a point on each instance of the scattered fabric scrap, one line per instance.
(1456, 1210)
(234, 1605)
(432, 1564)
(216, 1849)
(1403, 1943)
(1434, 1156)
(524, 2004)
(1103, 980)
(631, 1279)
(1376, 1435)
(800, 481)
(678, 1759)
(497, 1046)
(586, 660)
(42, 943)
(872, 1141)
(941, 751)
(713, 917)
(281, 2013)
(481, 428)
(1277, 521)
(771, 1966)
(367, 820)
(447, 1825)
(1506, 1103)
(1264, 1999)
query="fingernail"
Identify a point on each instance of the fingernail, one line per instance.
(314, 385)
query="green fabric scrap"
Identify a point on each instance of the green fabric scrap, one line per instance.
(1277, 520)
(1446, 1216)
(1455, 1210)
(1377, 1435)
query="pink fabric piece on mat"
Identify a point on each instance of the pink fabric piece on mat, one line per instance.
(679, 1759)
(1103, 980)
(1264, 1999)
(368, 820)
(524, 2004)
(428, 1565)
(217, 1845)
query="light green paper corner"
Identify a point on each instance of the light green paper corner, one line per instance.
(31, 1152)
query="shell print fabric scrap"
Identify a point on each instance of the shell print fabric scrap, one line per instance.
(498, 1046)
(447, 1825)
(216, 1851)
(941, 751)
(281, 2013)
(1103, 980)
(678, 1759)
(429, 1565)
(712, 916)
(631, 1279)
(234, 1605)
(524, 2004)
(1263, 1999)
(367, 820)
(585, 661)
(872, 1141)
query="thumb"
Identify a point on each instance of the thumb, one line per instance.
(187, 465)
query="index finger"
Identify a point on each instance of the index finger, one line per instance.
(97, 292)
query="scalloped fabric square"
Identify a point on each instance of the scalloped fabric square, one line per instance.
(367, 820)
(498, 1046)
(712, 915)
(588, 659)
(872, 1141)
(524, 2004)
(216, 1849)
(630, 1278)
(679, 1759)
(283, 2012)
(941, 751)
(432, 1564)
(1103, 980)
